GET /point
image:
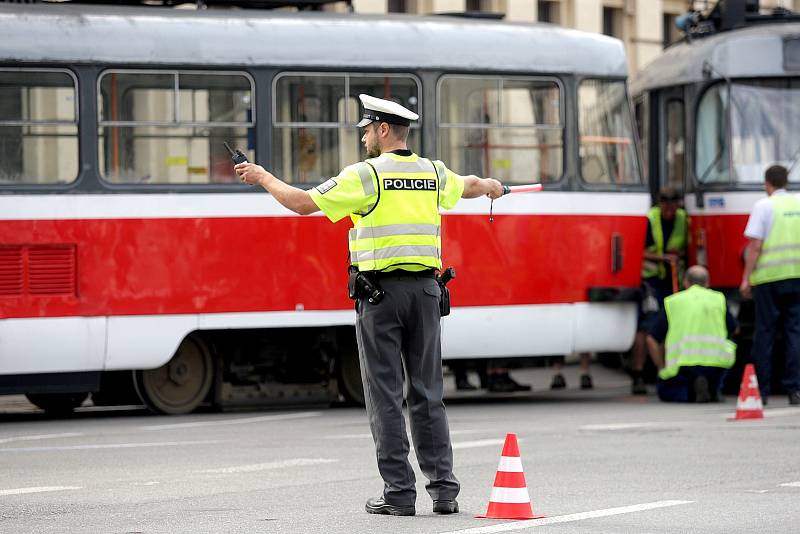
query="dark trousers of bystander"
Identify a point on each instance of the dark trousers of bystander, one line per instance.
(777, 303)
(680, 388)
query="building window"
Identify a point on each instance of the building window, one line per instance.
(38, 127)
(548, 11)
(315, 116)
(509, 128)
(474, 5)
(397, 6)
(612, 22)
(671, 32)
(168, 127)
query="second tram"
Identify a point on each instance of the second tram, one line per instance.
(715, 111)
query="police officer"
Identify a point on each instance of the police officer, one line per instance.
(667, 238)
(772, 276)
(696, 328)
(393, 199)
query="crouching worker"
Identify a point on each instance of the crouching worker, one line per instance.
(698, 351)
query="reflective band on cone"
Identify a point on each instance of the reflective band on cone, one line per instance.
(749, 405)
(509, 498)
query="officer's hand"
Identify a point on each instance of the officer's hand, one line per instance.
(252, 174)
(745, 289)
(495, 188)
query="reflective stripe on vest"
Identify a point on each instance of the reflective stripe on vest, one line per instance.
(404, 229)
(367, 183)
(676, 242)
(697, 333)
(441, 172)
(780, 253)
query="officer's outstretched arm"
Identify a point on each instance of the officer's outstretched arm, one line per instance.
(475, 187)
(293, 198)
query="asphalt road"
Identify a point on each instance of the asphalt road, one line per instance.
(599, 461)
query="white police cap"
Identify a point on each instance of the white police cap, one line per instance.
(378, 109)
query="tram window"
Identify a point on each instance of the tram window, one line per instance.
(765, 128)
(38, 127)
(168, 127)
(315, 133)
(607, 148)
(675, 144)
(712, 160)
(509, 128)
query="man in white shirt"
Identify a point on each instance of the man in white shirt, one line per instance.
(772, 276)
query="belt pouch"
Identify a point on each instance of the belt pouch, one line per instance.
(444, 301)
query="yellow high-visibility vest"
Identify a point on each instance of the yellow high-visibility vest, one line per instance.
(780, 253)
(675, 243)
(697, 334)
(402, 230)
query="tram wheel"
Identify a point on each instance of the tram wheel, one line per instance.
(57, 403)
(349, 372)
(181, 384)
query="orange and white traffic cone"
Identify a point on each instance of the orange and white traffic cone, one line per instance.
(509, 498)
(749, 405)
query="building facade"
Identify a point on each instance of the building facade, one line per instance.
(645, 26)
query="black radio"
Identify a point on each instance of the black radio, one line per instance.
(360, 285)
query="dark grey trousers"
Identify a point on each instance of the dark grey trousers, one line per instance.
(402, 335)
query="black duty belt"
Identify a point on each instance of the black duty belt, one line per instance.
(402, 273)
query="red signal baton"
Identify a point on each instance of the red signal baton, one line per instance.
(531, 188)
(509, 189)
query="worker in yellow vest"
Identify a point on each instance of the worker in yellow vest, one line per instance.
(393, 199)
(772, 276)
(692, 340)
(666, 241)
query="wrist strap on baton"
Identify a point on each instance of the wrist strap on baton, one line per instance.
(508, 189)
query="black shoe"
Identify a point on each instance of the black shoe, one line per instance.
(503, 383)
(794, 398)
(445, 507)
(558, 382)
(380, 506)
(586, 382)
(638, 387)
(464, 385)
(701, 392)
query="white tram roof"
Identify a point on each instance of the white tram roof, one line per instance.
(163, 36)
(756, 51)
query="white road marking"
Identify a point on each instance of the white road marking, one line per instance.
(39, 489)
(240, 421)
(41, 436)
(619, 426)
(781, 412)
(108, 446)
(350, 436)
(478, 443)
(367, 435)
(790, 485)
(531, 523)
(768, 414)
(294, 462)
(756, 491)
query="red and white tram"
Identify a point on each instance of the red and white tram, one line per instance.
(128, 250)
